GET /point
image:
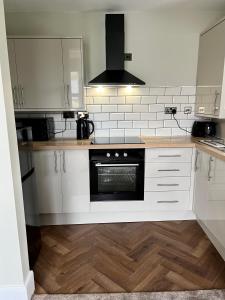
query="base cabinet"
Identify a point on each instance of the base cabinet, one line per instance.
(209, 204)
(62, 180)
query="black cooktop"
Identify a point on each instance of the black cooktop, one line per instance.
(117, 140)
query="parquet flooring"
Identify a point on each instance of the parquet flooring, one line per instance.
(127, 257)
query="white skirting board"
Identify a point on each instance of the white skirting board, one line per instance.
(115, 217)
(19, 292)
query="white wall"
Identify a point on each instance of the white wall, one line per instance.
(164, 44)
(14, 268)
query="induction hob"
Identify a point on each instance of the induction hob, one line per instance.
(117, 140)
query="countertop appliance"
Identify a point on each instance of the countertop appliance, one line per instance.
(85, 127)
(117, 175)
(42, 128)
(204, 129)
(30, 204)
(117, 140)
(217, 143)
(115, 74)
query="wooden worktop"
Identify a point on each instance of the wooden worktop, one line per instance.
(149, 142)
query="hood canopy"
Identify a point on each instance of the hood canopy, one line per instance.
(115, 73)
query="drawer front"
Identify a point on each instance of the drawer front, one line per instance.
(167, 184)
(169, 155)
(167, 169)
(168, 200)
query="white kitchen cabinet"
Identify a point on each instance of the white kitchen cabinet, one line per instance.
(210, 199)
(48, 181)
(13, 72)
(49, 73)
(75, 181)
(73, 72)
(210, 99)
(62, 180)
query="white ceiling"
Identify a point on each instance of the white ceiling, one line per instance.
(109, 5)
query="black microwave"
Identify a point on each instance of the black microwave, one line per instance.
(42, 128)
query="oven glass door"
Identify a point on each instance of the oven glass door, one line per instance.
(117, 181)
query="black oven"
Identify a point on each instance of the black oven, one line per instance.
(117, 175)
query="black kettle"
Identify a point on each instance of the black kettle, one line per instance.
(84, 130)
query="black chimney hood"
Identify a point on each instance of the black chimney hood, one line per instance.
(115, 73)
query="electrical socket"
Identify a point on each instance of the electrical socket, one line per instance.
(170, 110)
(188, 110)
(68, 115)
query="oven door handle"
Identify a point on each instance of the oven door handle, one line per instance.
(116, 165)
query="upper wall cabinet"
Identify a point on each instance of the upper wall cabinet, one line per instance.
(210, 100)
(46, 74)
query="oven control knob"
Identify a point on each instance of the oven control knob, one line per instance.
(117, 154)
(108, 154)
(125, 154)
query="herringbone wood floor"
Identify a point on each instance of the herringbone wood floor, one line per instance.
(145, 256)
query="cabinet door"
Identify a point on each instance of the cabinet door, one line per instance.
(73, 72)
(210, 70)
(216, 203)
(40, 73)
(201, 194)
(75, 181)
(13, 72)
(48, 181)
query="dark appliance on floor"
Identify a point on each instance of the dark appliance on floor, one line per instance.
(85, 127)
(117, 174)
(30, 204)
(42, 128)
(204, 129)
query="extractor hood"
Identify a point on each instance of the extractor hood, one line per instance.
(115, 73)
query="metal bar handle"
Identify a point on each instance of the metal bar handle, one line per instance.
(116, 165)
(167, 184)
(170, 155)
(196, 160)
(210, 168)
(56, 162)
(168, 201)
(169, 170)
(68, 94)
(216, 108)
(64, 162)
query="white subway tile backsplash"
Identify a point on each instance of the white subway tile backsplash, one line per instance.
(133, 99)
(140, 124)
(125, 108)
(186, 123)
(148, 99)
(148, 132)
(164, 99)
(101, 100)
(157, 91)
(101, 133)
(163, 116)
(192, 99)
(117, 100)
(88, 100)
(140, 108)
(117, 116)
(94, 108)
(109, 124)
(148, 116)
(132, 132)
(132, 116)
(69, 134)
(125, 124)
(188, 90)
(156, 107)
(155, 124)
(173, 91)
(178, 132)
(109, 108)
(101, 117)
(101, 91)
(133, 91)
(116, 132)
(180, 99)
(60, 125)
(170, 123)
(163, 131)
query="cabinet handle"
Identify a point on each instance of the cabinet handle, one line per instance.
(168, 155)
(196, 160)
(167, 184)
(216, 108)
(14, 95)
(56, 162)
(64, 162)
(169, 170)
(68, 94)
(210, 168)
(22, 95)
(168, 201)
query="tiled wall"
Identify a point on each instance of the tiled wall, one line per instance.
(134, 111)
